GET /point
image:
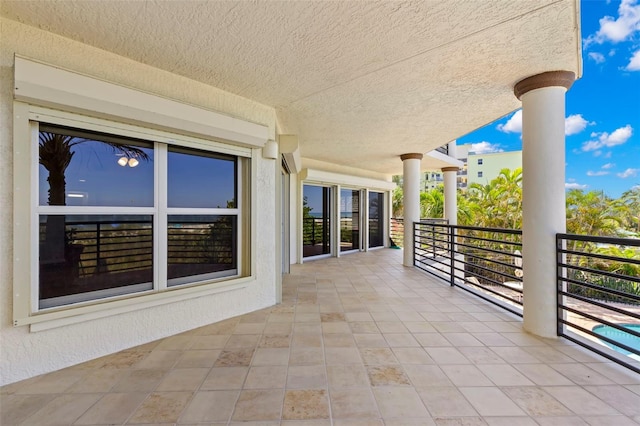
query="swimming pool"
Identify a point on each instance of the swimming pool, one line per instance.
(620, 336)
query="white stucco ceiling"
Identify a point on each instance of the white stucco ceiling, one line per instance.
(360, 83)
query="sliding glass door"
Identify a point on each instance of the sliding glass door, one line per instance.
(316, 220)
(376, 219)
(349, 220)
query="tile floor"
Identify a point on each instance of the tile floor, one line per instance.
(358, 340)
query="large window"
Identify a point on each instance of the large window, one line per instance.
(119, 215)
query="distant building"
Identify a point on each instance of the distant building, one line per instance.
(480, 168)
(483, 168)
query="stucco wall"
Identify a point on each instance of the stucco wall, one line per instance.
(25, 354)
(491, 165)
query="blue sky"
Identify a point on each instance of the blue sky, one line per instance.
(602, 123)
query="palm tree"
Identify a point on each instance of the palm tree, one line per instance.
(629, 209)
(56, 153)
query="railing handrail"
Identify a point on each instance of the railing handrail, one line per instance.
(634, 242)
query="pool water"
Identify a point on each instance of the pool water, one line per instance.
(620, 336)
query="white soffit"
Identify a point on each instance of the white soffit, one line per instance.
(331, 178)
(360, 83)
(49, 86)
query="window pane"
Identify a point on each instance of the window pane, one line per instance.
(349, 219)
(316, 218)
(376, 219)
(201, 247)
(78, 168)
(200, 179)
(86, 257)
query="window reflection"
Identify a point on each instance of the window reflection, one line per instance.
(376, 220)
(201, 247)
(316, 220)
(349, 219)
(81, 168)
(85, 257)
(199, 179)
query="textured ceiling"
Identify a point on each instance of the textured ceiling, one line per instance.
(360, 83)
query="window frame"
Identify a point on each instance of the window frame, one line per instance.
(27, 210)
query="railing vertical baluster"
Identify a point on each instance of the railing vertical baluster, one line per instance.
(98, 238)
(452, 248)
(415, 242)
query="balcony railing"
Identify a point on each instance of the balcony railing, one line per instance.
(483, 261)
(599, 294)
(598, 284)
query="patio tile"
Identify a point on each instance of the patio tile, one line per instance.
(387, 375)
(346, 376)
(446, 401)
(223, 378)
(210, 406)
(63, 410)
(268, 377)
(113, 408)
(161, 407)
(504, 375)
(16, 408)
(399, 402)
(358, 341)
(536, 402)
(307, 377)
(355, 403)
(139, 381)
(491, 401)
(465, 375)
(412, 356)
(305, 404)
(580, 401)
(183, 379)
(258, 405)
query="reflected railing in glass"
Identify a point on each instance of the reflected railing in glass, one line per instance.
(84, 257)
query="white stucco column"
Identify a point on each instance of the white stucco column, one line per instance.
(450, 194)
(411, 201)
(543, 193)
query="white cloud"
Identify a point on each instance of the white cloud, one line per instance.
(598, 173)
(575, 124)
(634, 63)
(608, 166)
(598, 58)
(618, 29)
(513, 125)
(485, 147)
(604, 139)
(574, 185)
(629, 173)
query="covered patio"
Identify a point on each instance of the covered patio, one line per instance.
(357, 340)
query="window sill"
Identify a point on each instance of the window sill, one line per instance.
(61, 318)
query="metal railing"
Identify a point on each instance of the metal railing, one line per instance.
(484, 261)
(397, 231)
(443, 149)
(599, 294)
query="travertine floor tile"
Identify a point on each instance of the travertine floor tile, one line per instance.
(580, 401)
(399, 402)
(446, 401)
(113, 408)
(210, 406)
(355, 403)
(491, 401)
(258, 405)
(161, 407)
(63, 410)
(183, 379)
(305, 404)
(307, 377)
(266, 377)
(536, 402)
(222, 378)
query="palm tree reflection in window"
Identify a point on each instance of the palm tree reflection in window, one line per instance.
(56, 151)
